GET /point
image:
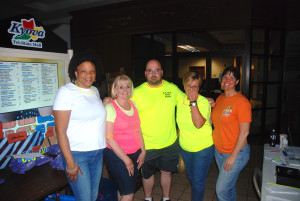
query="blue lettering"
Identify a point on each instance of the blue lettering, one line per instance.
(34, 32)
(41, 34)
(28, 31)
(14, 28)
(18, 29)
(22, 31)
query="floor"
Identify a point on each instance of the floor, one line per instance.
(181, 189)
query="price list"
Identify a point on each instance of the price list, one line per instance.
(26, 85)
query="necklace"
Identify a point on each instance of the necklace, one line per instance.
(123, 108)
(83, 90)
(162, 83)
(187, 100)
(184, 103)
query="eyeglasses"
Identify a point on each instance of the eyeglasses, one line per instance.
(189, 86)
(153, 71)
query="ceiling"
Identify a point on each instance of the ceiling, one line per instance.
(53, 12)
(49, 11)
(56, 12)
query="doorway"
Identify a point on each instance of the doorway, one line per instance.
(211, 69)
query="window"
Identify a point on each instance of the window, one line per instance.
(266, 79)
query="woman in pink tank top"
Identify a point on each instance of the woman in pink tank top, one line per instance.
(125, 152)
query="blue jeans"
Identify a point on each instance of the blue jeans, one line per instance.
(225, 187)
(197, 165)
(87, 185)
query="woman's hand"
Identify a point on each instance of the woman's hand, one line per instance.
(107, 100)
(211, 102)
(192, 93)
(72, 172)
(130, 167)
(141, 159)
(229, 163)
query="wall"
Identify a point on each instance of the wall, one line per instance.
(111, 23)
(185, 63)
(219, 64)
(148, 16)
(114, 50)
(63, 31)
(103, 28)
(108, 29)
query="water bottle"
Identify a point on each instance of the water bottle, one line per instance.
(273, 137)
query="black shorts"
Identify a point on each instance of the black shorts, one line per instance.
(165, 159)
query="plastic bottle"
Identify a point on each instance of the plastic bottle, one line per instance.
(273, 137)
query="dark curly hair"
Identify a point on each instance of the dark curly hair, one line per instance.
(80, 57)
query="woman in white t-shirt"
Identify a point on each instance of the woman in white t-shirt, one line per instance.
(80, 127)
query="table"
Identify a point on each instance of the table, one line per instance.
(280, 193)
(35, 184)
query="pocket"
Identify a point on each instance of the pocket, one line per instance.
(245, 149)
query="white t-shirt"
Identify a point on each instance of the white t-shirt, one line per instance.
(87, 125)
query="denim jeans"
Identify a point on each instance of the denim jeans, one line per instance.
(197, 165)
(87, 186)
(225, 187)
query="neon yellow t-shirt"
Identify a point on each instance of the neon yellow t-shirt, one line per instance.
(156, 106)
(194, 139)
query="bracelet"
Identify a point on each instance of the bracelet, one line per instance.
(72, 171)
(128, 163)
(109, 136)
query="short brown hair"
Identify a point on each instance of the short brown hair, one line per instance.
(190, 76)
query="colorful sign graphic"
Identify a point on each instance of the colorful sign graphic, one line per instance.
(227, 112)
(26, 33)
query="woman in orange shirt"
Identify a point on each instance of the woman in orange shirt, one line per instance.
(231, 118)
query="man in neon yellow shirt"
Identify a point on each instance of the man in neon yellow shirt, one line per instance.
(156, 100)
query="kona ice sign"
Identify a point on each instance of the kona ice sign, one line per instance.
(26, 33)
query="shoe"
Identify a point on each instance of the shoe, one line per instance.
(166, 200)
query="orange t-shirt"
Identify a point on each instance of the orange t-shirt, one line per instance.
(226, 116)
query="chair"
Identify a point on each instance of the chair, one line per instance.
(257, 181)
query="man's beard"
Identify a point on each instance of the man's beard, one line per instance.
(157, 82)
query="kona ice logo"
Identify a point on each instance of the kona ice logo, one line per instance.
(26, 33)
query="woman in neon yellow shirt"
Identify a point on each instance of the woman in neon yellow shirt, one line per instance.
(195, 137)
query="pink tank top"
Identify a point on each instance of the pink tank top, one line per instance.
(126, 129)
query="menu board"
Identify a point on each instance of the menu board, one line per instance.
(25, 85)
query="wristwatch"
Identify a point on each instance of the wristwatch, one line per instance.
(193, 103)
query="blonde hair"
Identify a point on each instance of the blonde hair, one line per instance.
(116, 83)
(191, 76)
